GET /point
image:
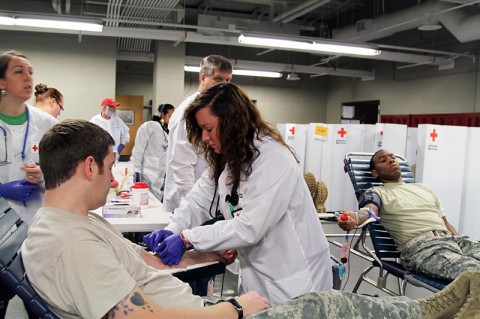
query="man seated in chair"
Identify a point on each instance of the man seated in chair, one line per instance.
(414, 217)
(82, 267)
(79, 263)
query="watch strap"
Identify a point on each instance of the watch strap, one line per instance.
(237, 307)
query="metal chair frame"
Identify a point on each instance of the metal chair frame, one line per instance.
(13, 280)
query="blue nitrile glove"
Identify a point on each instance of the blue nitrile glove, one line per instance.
(156, 237)
(21, 190)
(34, 195)
(171, 250)
(120, 148)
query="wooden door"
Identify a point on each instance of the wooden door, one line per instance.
(131, 112)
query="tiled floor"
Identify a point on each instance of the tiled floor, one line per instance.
(230, 283)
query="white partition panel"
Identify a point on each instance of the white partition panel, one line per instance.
(369, 138)
(332, 172)
(378, 137)
(469, 214)
(441, 163)
(296, 136)
(394, 138)
(358, 135)
(412, 145)
(316, 137)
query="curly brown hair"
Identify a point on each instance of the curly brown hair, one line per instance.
(239, 124)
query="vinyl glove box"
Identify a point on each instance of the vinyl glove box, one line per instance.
(120, 211)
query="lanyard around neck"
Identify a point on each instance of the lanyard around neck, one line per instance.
(26, 134)
(24, 138)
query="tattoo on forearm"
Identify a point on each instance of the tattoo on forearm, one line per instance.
(125, 307)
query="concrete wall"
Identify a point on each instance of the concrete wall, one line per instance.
(84, 72)
(413, 90)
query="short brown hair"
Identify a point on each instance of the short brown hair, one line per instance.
(68, 143)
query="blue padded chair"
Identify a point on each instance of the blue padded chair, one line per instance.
(385, 254)
(13, 280)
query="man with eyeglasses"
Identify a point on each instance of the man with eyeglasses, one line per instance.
(110, 122)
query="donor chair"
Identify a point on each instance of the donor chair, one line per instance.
(385, 254)
(13, 280)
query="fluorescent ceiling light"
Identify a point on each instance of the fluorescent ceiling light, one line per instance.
(267, 74)
(7, 21)
(324, 46)
(52, 24)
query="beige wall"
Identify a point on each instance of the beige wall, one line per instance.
(84, 72)
(410, 91)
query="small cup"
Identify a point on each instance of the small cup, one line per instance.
(140, 194)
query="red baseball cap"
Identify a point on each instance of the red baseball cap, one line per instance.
(109, 102)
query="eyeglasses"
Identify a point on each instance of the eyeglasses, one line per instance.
(5, 162)
(61, 106)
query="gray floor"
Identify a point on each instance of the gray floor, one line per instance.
(354, 268)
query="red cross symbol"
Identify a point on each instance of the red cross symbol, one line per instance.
(34, 148)
(238, 214)
(292, 130)
(342, 132)
(433, 135)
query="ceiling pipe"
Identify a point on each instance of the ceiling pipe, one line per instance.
(304, 11)
(464, 28)
(289, 68)
(294, 10)
(67, 6)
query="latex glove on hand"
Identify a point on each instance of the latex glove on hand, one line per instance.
(120, 148)
(153, 239)
(171, 250)
(347, 221)
(21, 190)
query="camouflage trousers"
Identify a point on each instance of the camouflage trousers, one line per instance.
(441, 256)
(336, 304)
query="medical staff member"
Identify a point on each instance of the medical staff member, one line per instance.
(21, 128)
(110, 122)
(149, 155)
(184, 166)
(48, 99)
(254, 181)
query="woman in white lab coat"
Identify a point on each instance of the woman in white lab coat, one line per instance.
(255, 183)
(149, 154)
(21, 129)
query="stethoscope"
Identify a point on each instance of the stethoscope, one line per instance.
(5, 161)
(231, 200)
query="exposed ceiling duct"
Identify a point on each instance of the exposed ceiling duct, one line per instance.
(464, 27)
(137, 23)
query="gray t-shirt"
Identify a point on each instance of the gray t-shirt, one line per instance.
(82, 266)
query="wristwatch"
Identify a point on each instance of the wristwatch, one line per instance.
(237, 307)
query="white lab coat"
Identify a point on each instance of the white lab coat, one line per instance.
(149, 156)
(40, 122)
(281, 245)
(184, 166)
(116, 127)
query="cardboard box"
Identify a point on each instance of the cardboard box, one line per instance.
(120, 211)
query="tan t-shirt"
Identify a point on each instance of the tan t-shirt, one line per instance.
(408, 210)
(82, 266)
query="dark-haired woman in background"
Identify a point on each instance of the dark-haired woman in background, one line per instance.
(48, 99)
(150, 151)
(255, 183)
